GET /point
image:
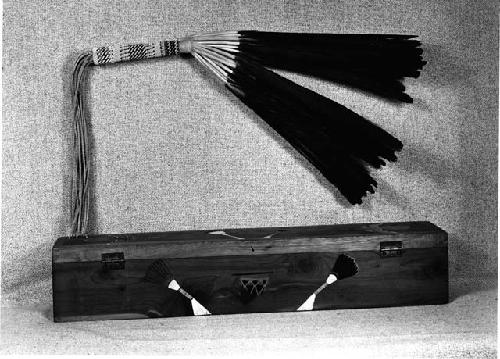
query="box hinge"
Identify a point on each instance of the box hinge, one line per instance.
(114, 260)
(391, 249)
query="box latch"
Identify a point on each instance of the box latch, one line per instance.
(114, 260)
(391, 249)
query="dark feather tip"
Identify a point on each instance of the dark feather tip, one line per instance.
(370, 62)
(345, 267)
(159, 272)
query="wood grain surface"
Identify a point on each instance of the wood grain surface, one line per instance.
(254, 241)
(86, 290)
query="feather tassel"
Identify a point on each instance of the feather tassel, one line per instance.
(159, 272)
(338, 142)
(198, 309)
(344, 267)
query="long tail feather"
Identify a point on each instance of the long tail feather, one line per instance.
(333, 138)
(370, 62)
(336, 140)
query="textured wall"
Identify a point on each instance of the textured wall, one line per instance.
(175, 150)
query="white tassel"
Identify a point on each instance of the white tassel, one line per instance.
(331, 279)
(198, 309)
(309, 303)
(174, 285)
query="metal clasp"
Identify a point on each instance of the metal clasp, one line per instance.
(391, 249)
(113, 261)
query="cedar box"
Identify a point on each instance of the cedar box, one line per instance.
(248, 270)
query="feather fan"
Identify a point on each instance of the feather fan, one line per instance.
(338, 142)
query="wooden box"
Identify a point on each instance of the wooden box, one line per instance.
(127, 276)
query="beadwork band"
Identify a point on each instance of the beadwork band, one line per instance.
(119, 53)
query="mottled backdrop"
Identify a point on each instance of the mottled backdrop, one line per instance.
(175, 150)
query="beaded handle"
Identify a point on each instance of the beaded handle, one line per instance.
(102, 56)
(119, 53)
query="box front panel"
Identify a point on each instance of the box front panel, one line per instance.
(246, 284)
(416, 277)
(226, 284)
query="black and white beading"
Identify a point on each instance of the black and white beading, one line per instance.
(120, 53)
(215, 51)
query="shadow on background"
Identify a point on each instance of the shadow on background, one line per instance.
(34, 271)
(412, 160)
(444, 69)
(227, 95)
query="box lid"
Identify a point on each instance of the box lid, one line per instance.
(249, 241)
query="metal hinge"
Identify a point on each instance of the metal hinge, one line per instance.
(115, 260)
(391, 249)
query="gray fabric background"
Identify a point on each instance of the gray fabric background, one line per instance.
(175, 150)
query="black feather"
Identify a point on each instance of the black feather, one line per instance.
(370, 62)
(345, 267)
(159, 272)
(333, 138)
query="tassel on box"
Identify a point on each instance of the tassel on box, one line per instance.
(159, 272)
(198, 309)
(344, 267)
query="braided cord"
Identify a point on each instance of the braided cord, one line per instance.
(81, 142)
(80, 192)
